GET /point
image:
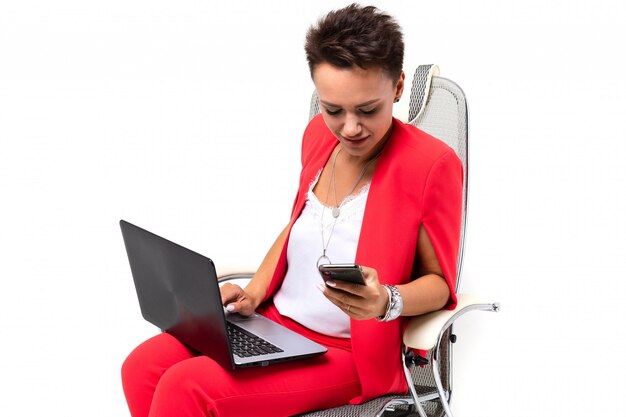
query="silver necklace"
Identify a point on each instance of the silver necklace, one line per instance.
(336, 210)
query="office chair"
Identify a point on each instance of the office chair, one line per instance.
(437, 106)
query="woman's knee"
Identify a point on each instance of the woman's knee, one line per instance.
(185, 387)
(153, 357)
(133, 366)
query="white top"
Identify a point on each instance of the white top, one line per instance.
(298, 297)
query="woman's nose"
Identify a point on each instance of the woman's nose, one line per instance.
(351, 126)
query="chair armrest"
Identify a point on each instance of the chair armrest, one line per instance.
(238, 275)
(227, 271)
(424, 331)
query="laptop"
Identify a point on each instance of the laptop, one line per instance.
(178, 292)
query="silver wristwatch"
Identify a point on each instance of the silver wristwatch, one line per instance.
(394, 306)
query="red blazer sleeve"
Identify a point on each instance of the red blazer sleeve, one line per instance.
(443, 196)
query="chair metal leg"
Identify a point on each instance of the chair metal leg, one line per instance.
(413, 400)
(444, 397)
(392, 404)
(451, 340)
(416, 401)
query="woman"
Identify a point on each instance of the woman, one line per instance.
(372, 191)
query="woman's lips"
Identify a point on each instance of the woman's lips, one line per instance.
(355, 141)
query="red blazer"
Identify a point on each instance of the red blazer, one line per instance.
(418, 181)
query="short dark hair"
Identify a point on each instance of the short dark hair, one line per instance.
(356, 36)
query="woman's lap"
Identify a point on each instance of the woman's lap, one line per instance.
(162, 377)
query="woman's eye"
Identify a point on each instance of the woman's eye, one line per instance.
(369, 112)
(363, 112)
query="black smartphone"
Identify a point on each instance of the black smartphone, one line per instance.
(342, 272)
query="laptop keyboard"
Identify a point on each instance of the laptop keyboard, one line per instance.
(244, 344)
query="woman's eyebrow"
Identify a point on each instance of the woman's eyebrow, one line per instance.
(367, 103)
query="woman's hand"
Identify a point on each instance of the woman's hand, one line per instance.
(236, 300)
(361, 302)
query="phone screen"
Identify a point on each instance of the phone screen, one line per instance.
(342, 272)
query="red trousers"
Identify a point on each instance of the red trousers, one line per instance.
(162, 377)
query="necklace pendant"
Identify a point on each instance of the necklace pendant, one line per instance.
(323, 260)
(336, 212)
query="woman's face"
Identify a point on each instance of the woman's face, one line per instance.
(357, 106)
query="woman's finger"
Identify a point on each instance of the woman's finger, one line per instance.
(243, 307)
(341, 298)
(353, 310)
(360, 307)
(349, 287)
(230, 292)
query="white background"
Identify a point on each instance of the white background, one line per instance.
(185, 117)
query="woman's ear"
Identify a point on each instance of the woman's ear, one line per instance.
(399, 87)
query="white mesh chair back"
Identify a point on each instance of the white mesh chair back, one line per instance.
(445, 117)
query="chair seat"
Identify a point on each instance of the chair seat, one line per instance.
(370, 408)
